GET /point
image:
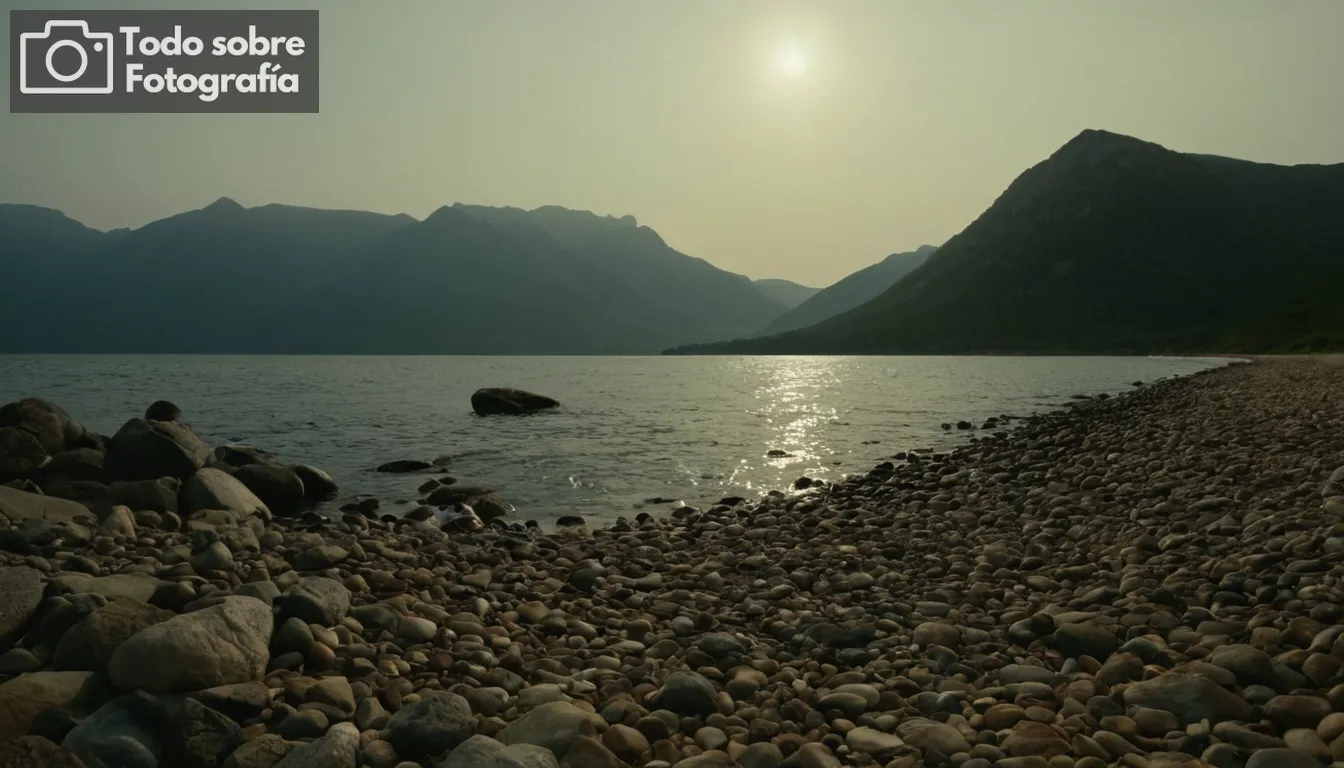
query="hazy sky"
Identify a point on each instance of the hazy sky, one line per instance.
(776, 139)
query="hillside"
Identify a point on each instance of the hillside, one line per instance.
(1116, 245)
(785, 292)
(851, 291)
(282, 279)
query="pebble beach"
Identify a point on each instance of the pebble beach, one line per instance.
(1152, 579)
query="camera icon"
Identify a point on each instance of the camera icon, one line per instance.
(39, 72)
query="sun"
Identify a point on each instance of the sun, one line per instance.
(792, 61)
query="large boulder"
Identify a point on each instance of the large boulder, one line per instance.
(686, 693)
(279, 487)
(222, 644)
(216, 489)
(17, 506)
(21, 590)
(431, 726)
(317, 484)
(146, 450)
(92, 641)
(52, 427)
(505, 400)
(21, 455)
(26, 696)
(117, 734)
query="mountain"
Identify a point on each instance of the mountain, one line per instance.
(284, 279)
(785, 292)
(851, 291)
(1116, 245)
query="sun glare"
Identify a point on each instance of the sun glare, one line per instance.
(792, 61)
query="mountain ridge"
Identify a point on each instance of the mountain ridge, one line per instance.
(1113, 245)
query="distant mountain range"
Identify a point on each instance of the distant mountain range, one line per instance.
(856, 289)
(1116, 245)
(275, 278)
(788, 293)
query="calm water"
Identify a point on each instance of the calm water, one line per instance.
(691, 428)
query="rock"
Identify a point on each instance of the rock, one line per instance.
(239, 701)
(554, 726)
(319, 558)
(1251, 665)
(870, 741)
(53, 427)
(215, 557)
(625, 742)
(815, 755)
(1297, 711)
(338, 748)
(216, 489)
(90, 644)
(24, 697)
(36, 752)
(222, 644)
(147, 450)
(334, 692)
(18, 506)
(265, 751)
(117, 734)
(1075, 640)
(687, 693)
(159, 495)
(132, 586)
(588, 752)
(1282, 758)
(927, 734)
(403, 466)
(20, 593)
(937, 633)
(279, 487)
(1190, 697)
(503, 400)
(317, 484)
(162, 410)
(193, 735)
(484, 752)
(315, 600)
(21, 455)
(119, 522)
(434, 725)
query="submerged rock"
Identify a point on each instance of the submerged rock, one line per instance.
(505, 400)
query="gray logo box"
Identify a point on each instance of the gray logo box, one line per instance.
(176, 61)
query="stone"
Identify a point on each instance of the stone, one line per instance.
(338, 748)
(139, 587)
(871, 741)
(36, 752)
(315, 600)
(588, 752)
(1282, 758)
(53, 427)
(1190, 697)
(508, 401)
(92, 641)
(18, 506)
(211, 488)
(147, 450)
(937, 633)
(317, 484)
(687, 693)
(554, 726)
(239, 701)
(21, 591)
(431, 726)
(26, 696)
(215, 557)
(265, 751)
(334, 692)
(21, 454)
(279, 487)
(319, 558)
(117, 734)
(625, 742)
(1082, 639)
(927, 734)
(219, 645)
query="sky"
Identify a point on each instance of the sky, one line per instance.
(801, 140)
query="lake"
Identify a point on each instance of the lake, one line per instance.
(630, 429)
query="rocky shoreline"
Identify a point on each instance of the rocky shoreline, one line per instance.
(1148, 580)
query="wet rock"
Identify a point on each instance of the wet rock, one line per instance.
(225, 643)
(503, 400)
(212, 488)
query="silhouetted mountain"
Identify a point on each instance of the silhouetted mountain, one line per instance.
(283, 279)
(851, 291)
(1118, 245)
(785, 292)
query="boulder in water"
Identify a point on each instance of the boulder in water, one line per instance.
(505, 400)
(162, 410)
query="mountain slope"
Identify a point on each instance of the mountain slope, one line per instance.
(282, 279)
(1117, 245)
(851, 291)
(785, 292)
